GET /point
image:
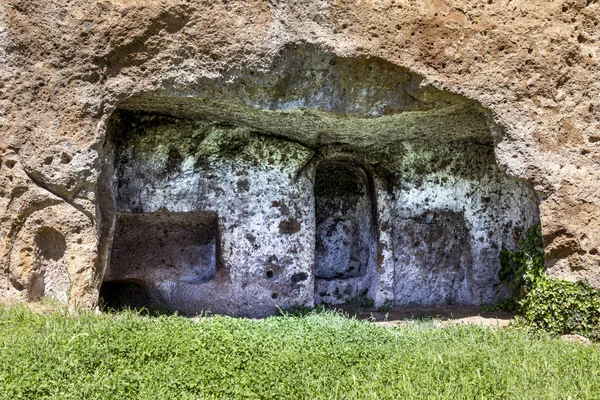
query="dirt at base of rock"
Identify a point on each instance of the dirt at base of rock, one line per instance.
(442, 316)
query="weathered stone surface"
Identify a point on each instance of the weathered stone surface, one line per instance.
(391, 84)
(254, 184)
(576, 339)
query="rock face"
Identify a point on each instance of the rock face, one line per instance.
(243, 156)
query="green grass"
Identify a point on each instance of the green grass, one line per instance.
(320, 355)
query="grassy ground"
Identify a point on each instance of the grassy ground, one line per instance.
(323, 355)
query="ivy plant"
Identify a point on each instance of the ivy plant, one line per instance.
(519, 269)
(545, 303)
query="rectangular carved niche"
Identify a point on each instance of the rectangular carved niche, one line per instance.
(434, 260)
(164, 247)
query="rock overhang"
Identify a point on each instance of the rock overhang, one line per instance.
(314, 127)
(310, 94)
(428, 156)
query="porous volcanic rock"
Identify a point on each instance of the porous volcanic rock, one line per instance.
(519, 77)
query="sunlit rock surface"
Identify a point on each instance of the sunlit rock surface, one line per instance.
(462, 123)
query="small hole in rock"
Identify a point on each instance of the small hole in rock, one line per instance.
(269, 274)
(274, 296)
(65, 158)
(50, 244)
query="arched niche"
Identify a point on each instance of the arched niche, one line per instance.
(345, 238)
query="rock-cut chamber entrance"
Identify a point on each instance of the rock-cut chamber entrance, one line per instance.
(320, 180)
(160, 247)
